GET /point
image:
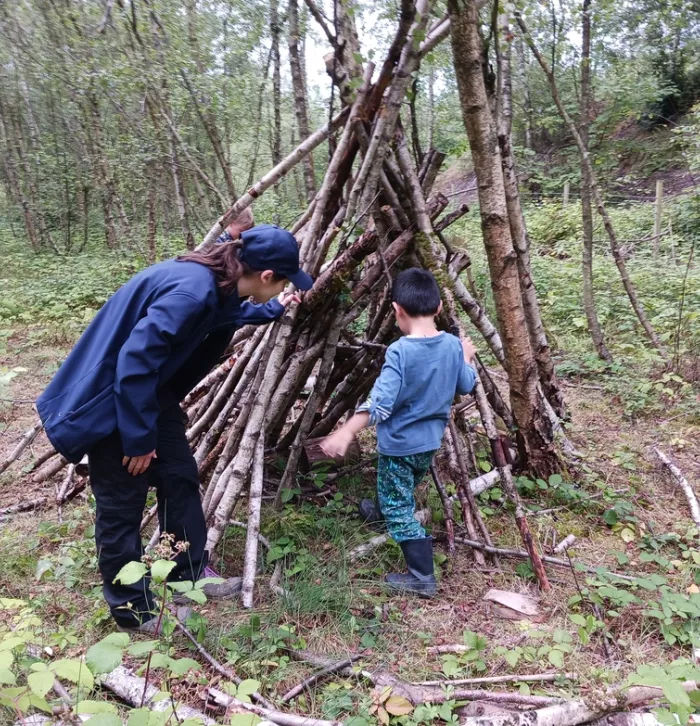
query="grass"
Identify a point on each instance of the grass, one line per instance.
(335, 606)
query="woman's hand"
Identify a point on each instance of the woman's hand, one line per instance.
(287, 298)
(138, 464)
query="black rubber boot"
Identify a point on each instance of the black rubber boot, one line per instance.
(420, 579)
(369, 511)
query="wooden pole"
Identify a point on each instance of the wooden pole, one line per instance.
(658, 209)
(567, 191)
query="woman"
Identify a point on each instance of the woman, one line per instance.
(116, 397)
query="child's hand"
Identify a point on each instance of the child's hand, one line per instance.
(287, 298)
(469, 350)
(336, 445)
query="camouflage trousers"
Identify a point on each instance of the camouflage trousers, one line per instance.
(397, 479)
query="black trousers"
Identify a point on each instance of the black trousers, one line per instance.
(120, 501)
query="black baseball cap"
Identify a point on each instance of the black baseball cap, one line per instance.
(268, 247)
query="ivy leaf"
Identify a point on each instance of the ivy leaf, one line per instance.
(208, 581)
(94, 707)
(181, 666)
(105, 719)
(42, 567)
(161, 569)
(106, 655)
(512, 657)
(398, 706)
(248, 687)
(75, 671)
(243, 719)
(196, 595)
(675, 694)
(556, 658)
(41, 683)
(7, 658)
(610, 517)
(144, 648)
(7, 677)
(160, 660)
(131, 573)
(139, 717)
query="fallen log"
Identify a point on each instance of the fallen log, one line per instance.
(26, 506)
(276, 717)
(572, 713)
(427, 694)
(137, 693)
(488, 680)
(29, 436)
(423, 515)
(522, 555)
(49, 471)
(564, 545)
(250, 566)
(683, 483)
(312, 680)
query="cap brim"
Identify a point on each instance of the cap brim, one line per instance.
(301, 280)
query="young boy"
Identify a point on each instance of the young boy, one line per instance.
(410, 406)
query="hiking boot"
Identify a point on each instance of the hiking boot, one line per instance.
(225, 590)
(370, 513)
(151, 627)
(420, 579)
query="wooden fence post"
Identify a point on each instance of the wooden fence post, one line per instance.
(565, 198)
(658, 209)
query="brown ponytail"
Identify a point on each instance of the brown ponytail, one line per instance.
(223, 260)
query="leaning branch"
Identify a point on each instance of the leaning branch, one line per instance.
(29, 436)
(275, 174)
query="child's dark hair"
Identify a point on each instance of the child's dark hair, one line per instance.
(417, 292)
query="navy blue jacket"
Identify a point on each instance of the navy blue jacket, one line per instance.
(168, 325)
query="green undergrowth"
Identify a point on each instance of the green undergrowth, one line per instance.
(667, 286)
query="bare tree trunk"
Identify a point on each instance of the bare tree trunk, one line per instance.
(415, 131)
(431, 106)
(101, 164)
(299, 86)
(528, 408)
(257, 123)
(527, 104)
(597, 196)
(586, 209)
(152, 216)
(518, 229)
(14, 184)
(276, 88)
(180, 193)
